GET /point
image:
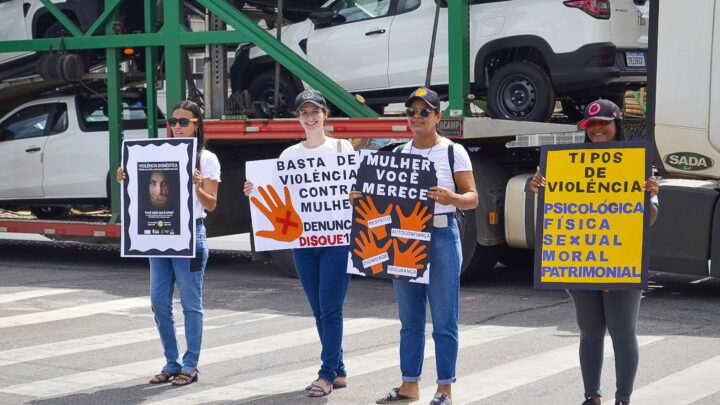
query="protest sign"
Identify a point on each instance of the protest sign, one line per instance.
(301, 202)
(157, 198)
(392, 222)
(593, 216)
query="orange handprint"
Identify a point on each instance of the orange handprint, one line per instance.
(415, 221)
(368, 248)
(282, 215)
(368, 212)
(410, 257)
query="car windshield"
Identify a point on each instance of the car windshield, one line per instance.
(93, 113)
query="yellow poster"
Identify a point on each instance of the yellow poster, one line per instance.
(592, 217)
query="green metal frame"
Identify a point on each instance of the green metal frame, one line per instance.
(173, 37)
(459, 57)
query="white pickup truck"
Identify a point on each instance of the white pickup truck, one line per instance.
(54, 151)
(524, 54)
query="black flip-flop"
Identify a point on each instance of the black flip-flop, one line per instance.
(317, 391)
(392, 397)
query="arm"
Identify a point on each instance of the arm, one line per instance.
(652, 187)
(465, 199)
(120, 175)
(537, 181)
(206, 191)
(467, 196)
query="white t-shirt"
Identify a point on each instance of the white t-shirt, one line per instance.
(209, 169)
(438, 154)
(329, 146)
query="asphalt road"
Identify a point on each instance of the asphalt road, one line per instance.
(76, 328)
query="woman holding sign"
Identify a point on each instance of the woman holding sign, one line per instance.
(188, 273)
(455, 190)
(598, 311)
(322, 270)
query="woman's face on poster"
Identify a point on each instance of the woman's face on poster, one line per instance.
(158, 189)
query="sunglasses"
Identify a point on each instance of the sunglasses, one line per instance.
(424, 112)
(184, 122)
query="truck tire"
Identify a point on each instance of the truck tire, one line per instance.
(262, 91)
(477, 260)
(468, 238)
(483, 241)
(49, 66)
(284, 260)
(521, 91)
(518, 258)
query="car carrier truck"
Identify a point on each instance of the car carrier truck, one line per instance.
(683, 120)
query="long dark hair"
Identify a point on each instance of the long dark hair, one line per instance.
(197, 113)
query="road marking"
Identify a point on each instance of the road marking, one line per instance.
(105, 341)
(701, 280)
(360, 365)
(74, 312)
(684, 387)
(24, 295)
(487, 383)
(71, 383)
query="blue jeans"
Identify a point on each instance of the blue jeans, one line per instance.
(188, 273)
(443, 295)
(323, 275)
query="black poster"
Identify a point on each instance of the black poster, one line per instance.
(160, 199)
(392, 222)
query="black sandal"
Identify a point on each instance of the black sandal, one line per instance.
(394, 396)
(184, 379)
(163, 377)
(318, 391)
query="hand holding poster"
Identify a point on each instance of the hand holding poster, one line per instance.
(301, 202)
(157, 197)
(593, 217)
(394, 188)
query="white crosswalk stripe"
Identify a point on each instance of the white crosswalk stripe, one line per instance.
(79, 311)
(684, 387)
(24, 295)
(268, 334)
(512, 375)
(363, 364)
(109, 340)
(71, 383)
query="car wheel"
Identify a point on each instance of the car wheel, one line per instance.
(55, 30)
(521, 91)
(262, 93)
(49, 212)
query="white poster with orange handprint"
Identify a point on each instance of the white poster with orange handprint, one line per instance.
(301, 202)
(392, 221)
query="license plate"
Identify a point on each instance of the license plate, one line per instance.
(635, 59)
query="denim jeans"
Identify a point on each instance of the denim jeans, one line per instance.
(323, 275)
(443, 295)
(188, 273)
